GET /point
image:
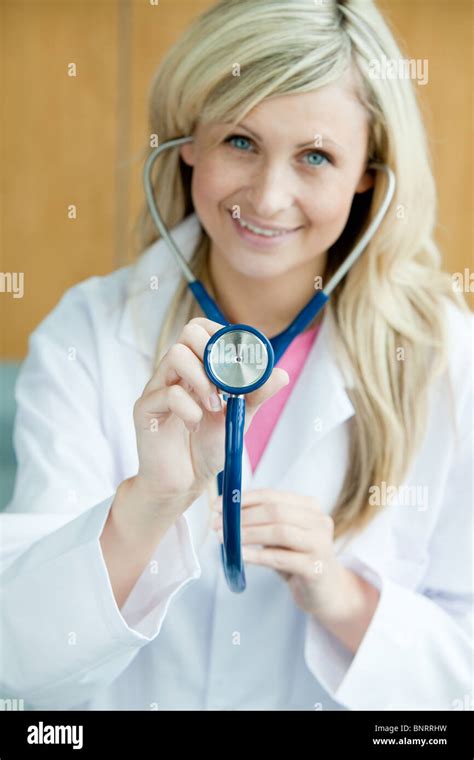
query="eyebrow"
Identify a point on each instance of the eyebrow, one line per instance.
(325, 140)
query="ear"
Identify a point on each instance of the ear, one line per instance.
(186, 152)
(365, 182)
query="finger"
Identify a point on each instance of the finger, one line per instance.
(181, 364)
(160, 403)
(195, 335)
(209, 325)
(274, 496)
(282, 560)
(260, 496)
(261, 512)
(277, 380)
(269, 505)
(279, 535)
(278, 514)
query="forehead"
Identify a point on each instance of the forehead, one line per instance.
(333, 111)
(329, 107)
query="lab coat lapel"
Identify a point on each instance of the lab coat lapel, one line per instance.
(318, 402)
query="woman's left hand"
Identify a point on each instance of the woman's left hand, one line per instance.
(288, 532)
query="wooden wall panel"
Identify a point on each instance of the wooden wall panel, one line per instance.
(79, 140)
(153, 30)
(59, 148)
(441, 31)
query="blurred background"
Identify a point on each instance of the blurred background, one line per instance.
(80, 140)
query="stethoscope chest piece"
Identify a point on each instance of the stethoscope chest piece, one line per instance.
(238, 359)
(240, 373)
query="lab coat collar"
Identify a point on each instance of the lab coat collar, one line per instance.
(317, 403)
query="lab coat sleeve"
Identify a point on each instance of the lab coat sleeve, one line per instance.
(62, 635)
(417, 652)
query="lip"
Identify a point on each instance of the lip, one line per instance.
(259, 241)
(268, 227)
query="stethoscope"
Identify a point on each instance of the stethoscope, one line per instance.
(238, 359)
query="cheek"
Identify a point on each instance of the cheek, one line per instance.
(211, 183)
(329, 209)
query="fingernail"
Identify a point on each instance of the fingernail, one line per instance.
(215, 402)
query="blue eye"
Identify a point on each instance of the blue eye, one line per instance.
(237, 137)
(319, 156)
(322, 157)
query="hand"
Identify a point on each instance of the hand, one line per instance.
(288, 532)
(180, 435)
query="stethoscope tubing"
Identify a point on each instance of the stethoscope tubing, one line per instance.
(231, 548)
(230, 484)
(229, 481)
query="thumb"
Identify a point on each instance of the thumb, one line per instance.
(277, 380)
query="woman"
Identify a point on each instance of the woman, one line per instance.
(356, 508)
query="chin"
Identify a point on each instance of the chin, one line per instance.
(256, 265)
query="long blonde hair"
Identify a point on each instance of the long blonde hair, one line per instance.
(391, 299)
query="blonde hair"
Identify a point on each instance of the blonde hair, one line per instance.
(391, 298)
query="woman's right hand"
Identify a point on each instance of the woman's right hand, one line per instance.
(180, 435)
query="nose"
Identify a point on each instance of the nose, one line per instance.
(271, 190)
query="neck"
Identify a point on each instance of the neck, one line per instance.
(269, 304)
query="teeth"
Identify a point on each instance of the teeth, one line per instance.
(258, 231)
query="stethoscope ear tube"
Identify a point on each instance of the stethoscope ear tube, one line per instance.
(232, 475)
(232, 494)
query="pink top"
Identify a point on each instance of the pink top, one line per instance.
(261, 428)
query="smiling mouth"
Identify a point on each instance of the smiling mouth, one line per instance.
(260, 230)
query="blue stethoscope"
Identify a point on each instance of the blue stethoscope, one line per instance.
(238, 359)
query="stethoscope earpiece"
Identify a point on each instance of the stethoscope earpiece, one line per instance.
(238, 376)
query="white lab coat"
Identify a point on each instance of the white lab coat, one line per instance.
(182, 640)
